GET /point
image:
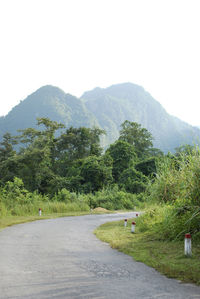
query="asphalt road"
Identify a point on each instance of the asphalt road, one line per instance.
(62, 258)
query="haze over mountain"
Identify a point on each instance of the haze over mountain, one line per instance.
(105, 108)
(128, 101)
(47, 101)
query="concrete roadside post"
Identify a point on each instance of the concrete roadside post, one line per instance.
(133, 227)
(40, 211)
(188, 245)
(125, 222)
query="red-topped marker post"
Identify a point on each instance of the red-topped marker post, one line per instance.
(125, 222)
(133, 227)
(40, 211)
(188, 245)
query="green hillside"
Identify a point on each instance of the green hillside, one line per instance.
(51, 102)
(115, 104)
(104, 108)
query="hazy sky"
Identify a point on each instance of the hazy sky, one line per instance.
(81, 44)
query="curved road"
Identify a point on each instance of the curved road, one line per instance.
(62, 258)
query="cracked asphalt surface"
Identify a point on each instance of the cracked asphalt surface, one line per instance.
(62, 258)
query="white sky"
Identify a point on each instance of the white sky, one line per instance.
(81, 44)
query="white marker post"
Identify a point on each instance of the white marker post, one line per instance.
(125, 222)
(133, 227)
(188, 245)
(40, 212)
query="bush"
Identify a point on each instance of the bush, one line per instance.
(16, 200)
(133, 180)
(113, 199)
(63, 196)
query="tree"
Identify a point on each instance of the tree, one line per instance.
(37, 159)
(76, 144)
(6, 148)
(123, 155)
(147, 166)
(134, 134)
(48, 137)
(96, 173)
(8, 158)
(133, 180)
(81, 142)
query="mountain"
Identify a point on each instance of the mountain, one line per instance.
(106, 108)
(51, 102)
(127, 101)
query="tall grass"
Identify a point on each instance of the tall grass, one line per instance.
(17, 201)
(176, 190)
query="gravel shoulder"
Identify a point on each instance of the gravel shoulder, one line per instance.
(62, 258)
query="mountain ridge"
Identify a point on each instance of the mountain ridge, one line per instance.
(106, 108)
(140, 107)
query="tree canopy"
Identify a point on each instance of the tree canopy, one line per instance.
(51, 158)
(137, 136)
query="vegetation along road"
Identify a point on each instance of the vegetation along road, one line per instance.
(62, 258)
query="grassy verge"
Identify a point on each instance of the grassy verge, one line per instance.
(12, 220)
(166, 257)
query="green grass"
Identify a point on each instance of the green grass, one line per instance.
(12, 220)
(166, 257)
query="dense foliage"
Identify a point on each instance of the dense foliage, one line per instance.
(176, 195)
(68, 171)
(40, 163)
(16, 200)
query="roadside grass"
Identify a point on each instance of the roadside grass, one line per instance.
(12, 220)
(166, 257)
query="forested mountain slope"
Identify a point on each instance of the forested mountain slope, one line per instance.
(105, 108)
(47, 101)
(117, 103)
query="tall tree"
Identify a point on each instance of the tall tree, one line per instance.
(81, 142)
(134, 134)
(123, 155)
(133, 181)
(96, 172)
(77, 143)
(8, 158)
(38, 157)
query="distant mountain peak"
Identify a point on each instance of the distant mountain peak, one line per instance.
(49, 89)
(115, 87)
(125, 85)
(106, 108)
